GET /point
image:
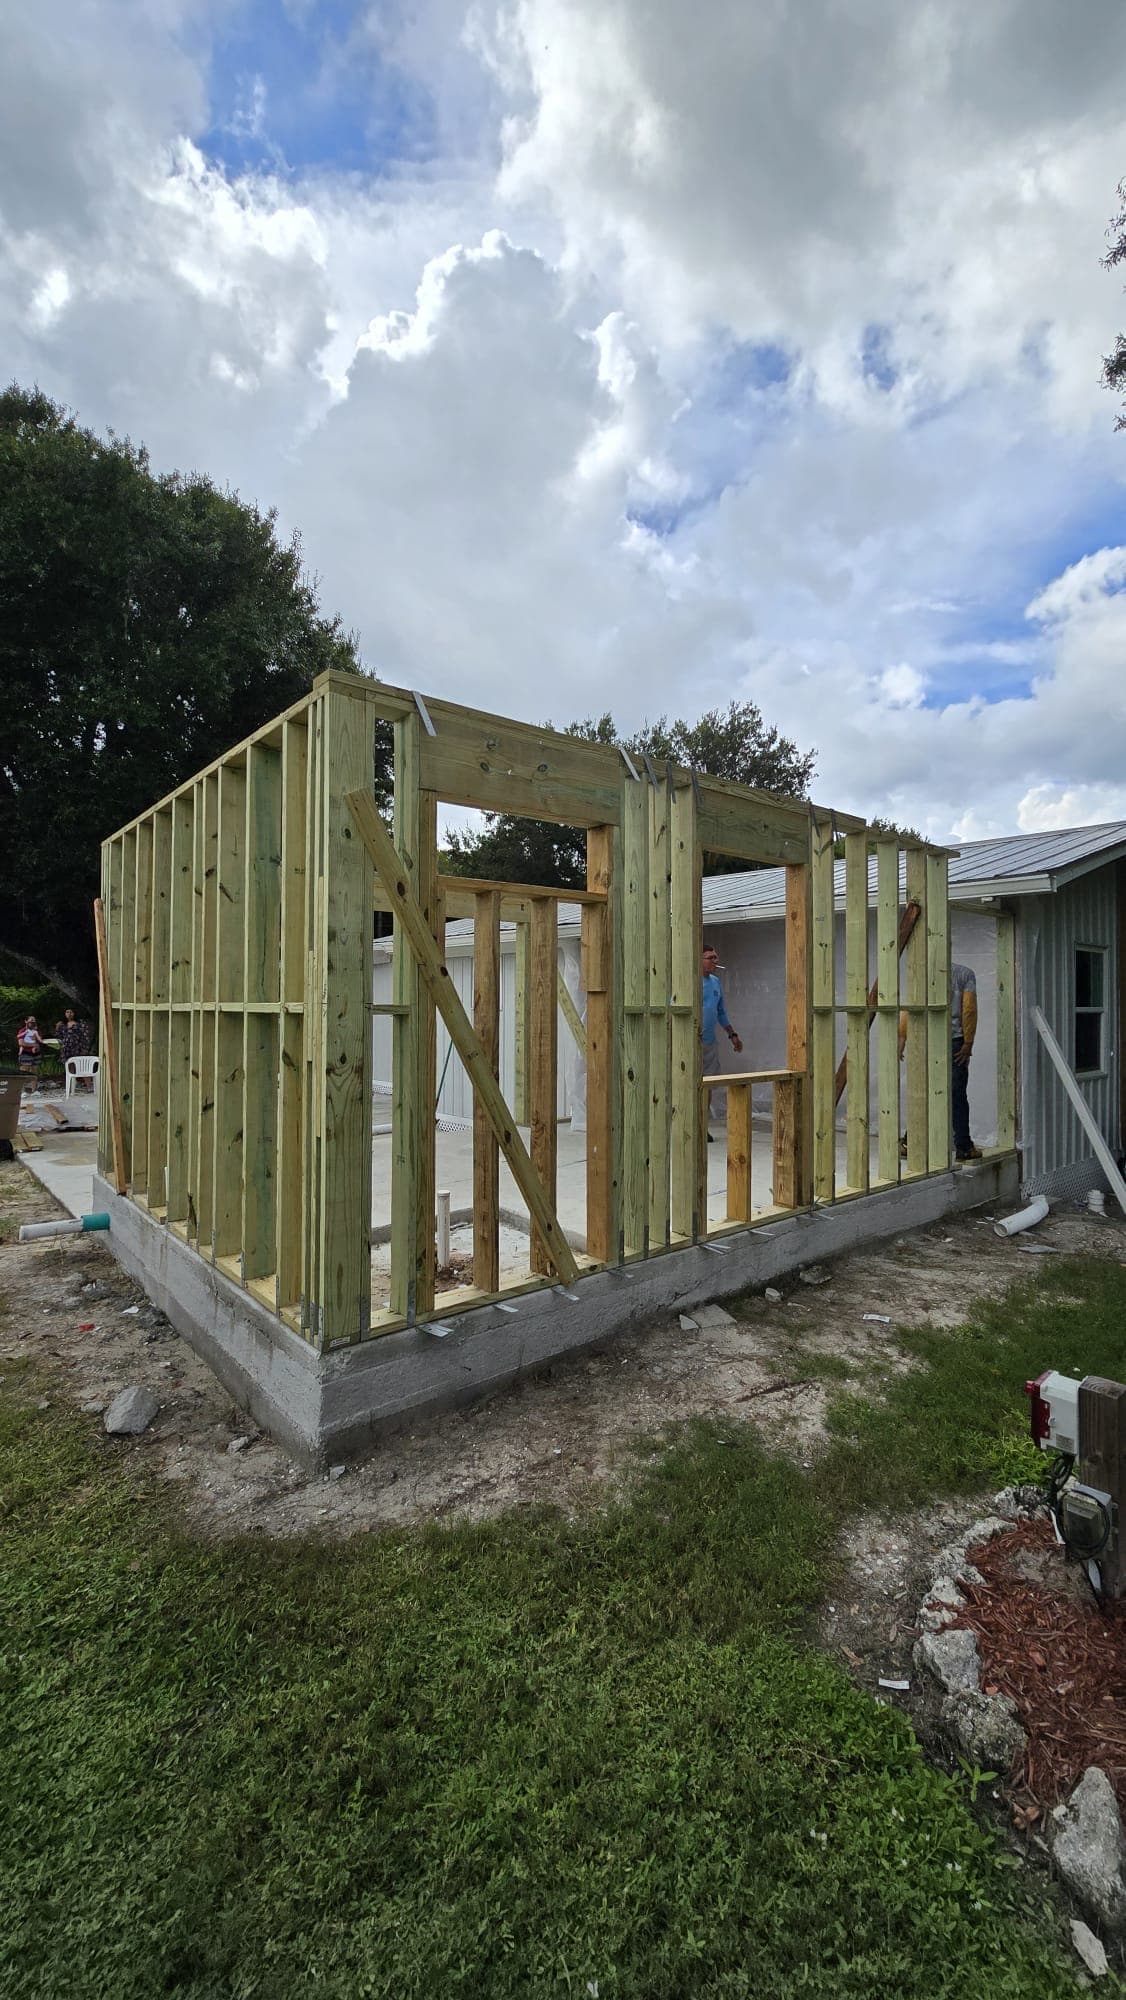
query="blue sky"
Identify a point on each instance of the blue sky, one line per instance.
(299, 88)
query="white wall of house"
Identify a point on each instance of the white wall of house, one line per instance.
(455, 1099)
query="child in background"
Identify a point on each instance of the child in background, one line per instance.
(29, 1043)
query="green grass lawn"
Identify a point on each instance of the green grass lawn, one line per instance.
(533, 1757)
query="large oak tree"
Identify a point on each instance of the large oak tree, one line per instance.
(147, 622)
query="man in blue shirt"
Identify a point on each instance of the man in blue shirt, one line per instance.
(713, 1014)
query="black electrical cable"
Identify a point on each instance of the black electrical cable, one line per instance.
(1059, 1472)
(1063, 1464)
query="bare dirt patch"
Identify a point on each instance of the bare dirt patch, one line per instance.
(564, 1439)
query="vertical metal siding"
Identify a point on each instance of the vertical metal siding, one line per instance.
(456, 1097)
(1083, 913)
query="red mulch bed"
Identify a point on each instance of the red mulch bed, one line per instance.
(1044, 1640)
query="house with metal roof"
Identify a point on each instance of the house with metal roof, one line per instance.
(1065, 893)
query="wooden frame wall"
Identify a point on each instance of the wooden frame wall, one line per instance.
(239, 931)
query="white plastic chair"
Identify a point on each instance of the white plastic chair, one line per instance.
(77, 1066)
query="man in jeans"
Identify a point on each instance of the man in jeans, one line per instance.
(963, 1028)
(713, 1014)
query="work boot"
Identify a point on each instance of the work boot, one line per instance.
(970, 1153)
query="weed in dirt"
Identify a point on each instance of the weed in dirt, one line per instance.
(805, 1364)
(532, 1756)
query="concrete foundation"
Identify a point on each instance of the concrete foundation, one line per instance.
(325, 1408)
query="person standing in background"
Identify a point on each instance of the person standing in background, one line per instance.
(713, 1015)
(74, 1040)
(29, 1043)
(963, 1028)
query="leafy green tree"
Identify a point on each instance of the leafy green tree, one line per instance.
(1114, 365)
(733, 742)
(146, 623)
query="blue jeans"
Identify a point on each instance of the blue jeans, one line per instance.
(959, 1100)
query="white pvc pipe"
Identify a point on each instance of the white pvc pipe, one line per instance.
(1025, 1218)
(72, 1226)
(443, 1228)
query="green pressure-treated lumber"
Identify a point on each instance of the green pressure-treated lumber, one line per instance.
(603, 1109)
(522, 1021)
(915, 1002)
(396, 878)
(182, 905)
(142, 991)
(111, 1091)
(205, 992)
(291, 1163)
(159, 1002)
(824, 1016)
(127, 989)
(342, 952)
(635, 1026)
(263, 871)
(938, 1014)
(687, 1140)
(888, 947)
(414, 1042)
(262, 923)
(856, 997)
(660, 1044)
(571, 1014)
(104, 1009)
(230, 958)
(543, 1067)
(1006, 1030)
(793, 1098)
(486, 1154)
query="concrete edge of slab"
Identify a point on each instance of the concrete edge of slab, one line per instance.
(336, 1406)
(268, 1369)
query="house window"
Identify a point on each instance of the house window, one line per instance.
(1090, 1001)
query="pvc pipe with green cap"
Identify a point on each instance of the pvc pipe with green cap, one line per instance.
(73, 1226)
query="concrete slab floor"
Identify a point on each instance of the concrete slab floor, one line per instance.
(454, 1150)
(65, 1166)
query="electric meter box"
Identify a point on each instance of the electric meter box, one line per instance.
(1054, 1411)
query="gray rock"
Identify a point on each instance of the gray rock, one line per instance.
(1090, 1948)
(1085, 1837)
(689, 1325)
(983, 1531)
(814, 1274)
(985, 1727)
(337, 1471)
(131, 1412)
(709, 1316)
(951, 1657)
(943, 1601)
(237, 1444)
(951, 1562)
(92, 1409)
(773, 1295)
